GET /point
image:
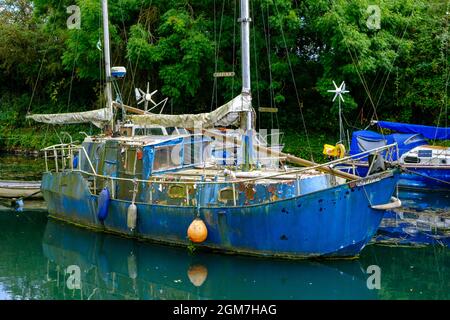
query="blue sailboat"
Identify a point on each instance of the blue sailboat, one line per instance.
(424, 166)
(166, 189)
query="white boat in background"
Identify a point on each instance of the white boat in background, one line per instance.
(20, 189)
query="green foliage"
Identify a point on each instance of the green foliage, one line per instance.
(297, 49)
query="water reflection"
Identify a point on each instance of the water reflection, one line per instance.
(423, 219)
(113, 267)
(35, 253)
(438, 200)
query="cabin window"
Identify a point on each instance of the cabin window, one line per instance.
(111, 153)
(195, 153)
(226, 194)
(412, 160)
(149, 131)
(130, 161)
(171, 130)
(166, 157)
(414, 139)
(177, 191)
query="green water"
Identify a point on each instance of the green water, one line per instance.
(35, 252)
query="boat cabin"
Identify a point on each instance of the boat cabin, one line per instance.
(141, 157)
(131, 130)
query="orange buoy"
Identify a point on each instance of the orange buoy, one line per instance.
(197, 231)
(197, 274)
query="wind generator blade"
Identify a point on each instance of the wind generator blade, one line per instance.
(335, 85)
(137, 94)
(342, 98)
(335, 96)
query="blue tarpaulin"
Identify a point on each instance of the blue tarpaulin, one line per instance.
(429, 132)
(365, 140)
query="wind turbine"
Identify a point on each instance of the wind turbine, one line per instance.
(339, 92)
(145, 97)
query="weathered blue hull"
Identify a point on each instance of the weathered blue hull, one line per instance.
(337, 221)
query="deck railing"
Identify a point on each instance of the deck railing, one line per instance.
(63, 156)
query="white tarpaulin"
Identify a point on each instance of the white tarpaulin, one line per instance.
(226, 115)
(97, 117)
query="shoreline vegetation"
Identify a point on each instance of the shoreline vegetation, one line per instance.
(397, 71)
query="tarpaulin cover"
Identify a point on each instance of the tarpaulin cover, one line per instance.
(226, 115)
(97, 117)
(365, 140)
(429, 132)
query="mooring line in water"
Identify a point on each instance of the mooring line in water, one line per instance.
(425, 176)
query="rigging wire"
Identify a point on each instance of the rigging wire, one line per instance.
(356, 63)
(295, 85)
(73, 68)
(268, 46)
(134, 72)
(216, 53)
(40, 67)
(129, 62)
(444, 55)
(256, 71)
(234, 47)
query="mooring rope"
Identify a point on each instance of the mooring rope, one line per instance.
(425, 176)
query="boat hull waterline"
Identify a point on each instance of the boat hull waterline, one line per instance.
(334, 222)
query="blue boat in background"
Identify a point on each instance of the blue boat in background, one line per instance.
(424, 166)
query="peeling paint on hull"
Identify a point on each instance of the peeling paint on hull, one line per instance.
(335, 222)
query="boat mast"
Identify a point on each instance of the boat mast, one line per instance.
(106, 49)
(246, 85)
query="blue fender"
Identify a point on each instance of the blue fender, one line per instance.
(103, 204)
(75, 162)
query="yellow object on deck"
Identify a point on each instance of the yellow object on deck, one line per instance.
(337, 151)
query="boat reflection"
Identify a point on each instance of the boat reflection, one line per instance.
(438, 200)
(423, 219)
(118, 268)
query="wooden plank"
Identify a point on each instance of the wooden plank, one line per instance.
(292, 159)
(263, 109)
(128, 108)
(223, 74)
